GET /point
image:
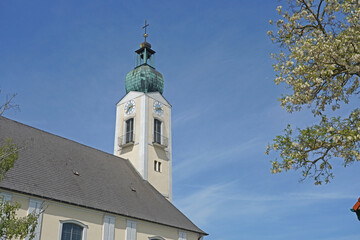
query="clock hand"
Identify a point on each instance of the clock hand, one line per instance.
(129, 108)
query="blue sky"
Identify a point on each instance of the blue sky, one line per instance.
(67, 61)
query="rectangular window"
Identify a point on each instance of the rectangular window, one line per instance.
(157, 166)
(5, 196)
(182, 235)
(130, 230)
(109, 227)
(157, 131)
(129, 131)
(35, 207)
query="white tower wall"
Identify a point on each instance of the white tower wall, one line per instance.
(150, 156)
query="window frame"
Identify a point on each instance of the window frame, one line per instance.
(37, 206)
(84, 232)
(111, 228)
(131, 138)
(159, 133)
(157, 166)
(182, 235)
(131, 227)
(6, 196)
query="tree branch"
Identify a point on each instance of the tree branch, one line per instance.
(8, 104)
(315, 16)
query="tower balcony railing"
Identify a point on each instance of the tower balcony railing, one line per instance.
(160, 140)
(127, 139)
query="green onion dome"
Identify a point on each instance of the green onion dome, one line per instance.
(144, 78)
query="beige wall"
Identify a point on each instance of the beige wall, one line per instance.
(160, 180)
(54, 212)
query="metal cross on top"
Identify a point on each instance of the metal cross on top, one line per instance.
(144, 27)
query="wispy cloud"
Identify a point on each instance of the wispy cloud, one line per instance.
(204, 204)
(186, 116)
(200, 160)
(224, 201)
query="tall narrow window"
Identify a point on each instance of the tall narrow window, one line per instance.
(155, 165)
(108, 228)
(35, 207)
(157, 131)
(129, 135)
(130, 230)
(182, 235)
(5, 196)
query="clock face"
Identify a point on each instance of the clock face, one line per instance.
(158, 108)
(129, 107)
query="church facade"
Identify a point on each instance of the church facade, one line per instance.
(83, 193)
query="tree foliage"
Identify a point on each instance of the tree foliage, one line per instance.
(8, 156)
(12, 226)
(320, 65)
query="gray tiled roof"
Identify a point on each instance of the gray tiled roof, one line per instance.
(46, 166)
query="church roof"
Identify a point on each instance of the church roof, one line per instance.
(55, 168)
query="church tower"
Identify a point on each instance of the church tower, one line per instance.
(143, 122)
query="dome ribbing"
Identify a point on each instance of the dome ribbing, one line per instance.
(144, 78)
